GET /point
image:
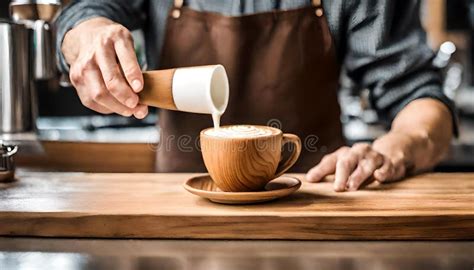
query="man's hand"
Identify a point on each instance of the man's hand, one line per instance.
(104, 68)
(419, 138)
(357, 165)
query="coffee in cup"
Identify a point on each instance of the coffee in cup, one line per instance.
(246, 157)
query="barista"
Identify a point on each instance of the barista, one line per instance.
(283, 60)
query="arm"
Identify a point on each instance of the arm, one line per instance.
(418, 139)
(97, 49)
(387, 53)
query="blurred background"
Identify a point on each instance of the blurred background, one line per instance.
(64, 124)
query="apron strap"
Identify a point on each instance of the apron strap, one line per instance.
(178, 3)
(319, 7)
(176, 12)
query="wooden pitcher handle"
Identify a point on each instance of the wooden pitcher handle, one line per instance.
(285, 165)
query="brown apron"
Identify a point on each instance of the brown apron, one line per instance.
(282, 72)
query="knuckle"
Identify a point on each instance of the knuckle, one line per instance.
(85, 64)
(343, 162)
(106, 40)
(367, 165)
(348, 156)
(123, 32)
(369, 160)
(116, 28)
(113, 81)
(98, 95)
(79, 68)
(74, 76)
(120, 30)
(361, 148)
(362, 145)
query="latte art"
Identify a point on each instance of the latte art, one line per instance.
(240, 131)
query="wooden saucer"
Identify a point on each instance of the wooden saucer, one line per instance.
(203, 186)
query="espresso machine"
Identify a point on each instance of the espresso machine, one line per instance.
(26, 57)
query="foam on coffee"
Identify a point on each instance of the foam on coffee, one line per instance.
(240, 131)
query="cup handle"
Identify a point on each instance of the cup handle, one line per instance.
(283, 166)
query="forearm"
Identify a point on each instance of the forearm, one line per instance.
(420, 135)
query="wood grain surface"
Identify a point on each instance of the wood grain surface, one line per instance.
(204, 187)
(430, 206)
(90, 157)
(158, 89)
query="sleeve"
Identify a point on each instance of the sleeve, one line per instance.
(128, 13)
(387, 53)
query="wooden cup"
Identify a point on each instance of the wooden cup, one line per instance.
(239, 164)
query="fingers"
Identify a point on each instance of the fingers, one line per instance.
(113, 78)
(130, 68)
(365, 169)
(385, 172)
(141, 111)
(99, 94)
(347, 163)
(344, 167)
(356, 167)
(107, 76)
(326, 166)
(129, 63)
(95, 106)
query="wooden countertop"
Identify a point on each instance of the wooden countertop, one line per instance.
(90, 157)
(429, 206)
